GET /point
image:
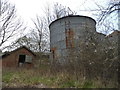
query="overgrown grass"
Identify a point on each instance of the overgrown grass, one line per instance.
(21, 77)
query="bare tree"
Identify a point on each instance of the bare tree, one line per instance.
(40, 33)
(108, 49)
(107, 16)
(106, 11)
(37, 39)
(10, 24)
(56, 11)
(22, 41)
(61, 11)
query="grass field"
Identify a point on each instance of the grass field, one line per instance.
(43, 78)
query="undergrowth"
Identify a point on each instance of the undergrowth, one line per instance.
(21, 77)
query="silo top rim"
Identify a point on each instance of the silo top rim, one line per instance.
(71, 16)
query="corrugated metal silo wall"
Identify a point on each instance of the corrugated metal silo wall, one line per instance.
(67, 33)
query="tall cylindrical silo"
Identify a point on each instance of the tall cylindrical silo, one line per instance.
(66, 33)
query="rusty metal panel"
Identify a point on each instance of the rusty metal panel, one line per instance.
(69, 38)
(62, 44)
(67, 32)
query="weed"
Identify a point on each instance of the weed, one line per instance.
(23, 77)
(7, 77)
(88, 84)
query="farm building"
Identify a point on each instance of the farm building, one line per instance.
(67, 34)
(74, 37)
(21, 57)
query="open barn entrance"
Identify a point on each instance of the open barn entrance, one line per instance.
(21, 60)
(24, 59)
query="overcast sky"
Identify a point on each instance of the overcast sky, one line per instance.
(28, 9)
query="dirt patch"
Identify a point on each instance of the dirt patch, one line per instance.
(17, 85)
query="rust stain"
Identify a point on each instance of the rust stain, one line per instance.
(69, 38)
(53, 50)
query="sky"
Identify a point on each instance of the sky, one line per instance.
(28, 9)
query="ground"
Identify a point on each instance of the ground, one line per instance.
(44, 78)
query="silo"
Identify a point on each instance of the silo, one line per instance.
(67, 33)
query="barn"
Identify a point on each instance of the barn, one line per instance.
(20, 57)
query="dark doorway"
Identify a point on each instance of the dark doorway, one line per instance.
(21, 58)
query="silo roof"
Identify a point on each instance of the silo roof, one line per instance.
(71, 16)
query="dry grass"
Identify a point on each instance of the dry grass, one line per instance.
(44, 77)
